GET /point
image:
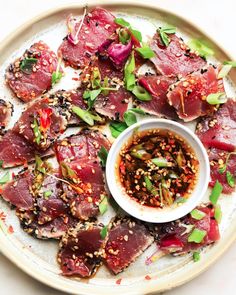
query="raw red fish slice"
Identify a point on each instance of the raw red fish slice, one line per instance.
(6, 110)
(172, 237)
(113, 105)
(188, 96)
(127, 239)
(15, 150)
(219, 131)
(157, 86)
(54, 124)
(216, 155)
(27, 86)
(17, 192)
(54, 229)
(80, 250)
(175, 59)
(98, 25)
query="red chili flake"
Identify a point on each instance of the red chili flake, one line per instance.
(147, 277)
(3, 216)
(118, 281)
(13, 174)
(10, 229)
(75, 79)
(0, 190)
(45, 120)
(122, 167)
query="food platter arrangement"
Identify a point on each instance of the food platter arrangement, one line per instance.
(117, 149)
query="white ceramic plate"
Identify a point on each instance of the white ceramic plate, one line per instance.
(38, 258)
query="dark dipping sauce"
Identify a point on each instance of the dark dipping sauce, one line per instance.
(158, 168)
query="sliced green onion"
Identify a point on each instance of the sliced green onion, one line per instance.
(201, 47)
(215, 193)
(39, 164)
(86, 116)
(5, 178)
(67, 172)
(37, 133)
(96, 78)
(141, 93)
(26, 65)
(117, 128)
(181, 200)
(47, 194)
(1, 163)
(197, 214)
(197, 236)
(216, 98)
(148, 182)
(102, 154)
(222, 169)
(137, 110)
(129, 118)
(145, 51)
(124, 35)
(122, 22)
(160, 162)
(230, 62)
(196, 256)
(103, 205)
(166, 193)
(164, 31)
(129, 73)
(230, 179)
(224, 71)
(56, 76)
(103, 232)
(218, 213)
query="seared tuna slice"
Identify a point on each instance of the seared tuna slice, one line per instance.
(15, 150)
(127, 239)
(81, 250)
(31, 75)
(157, 86)
(173, 237)
(82, 42)
(219, 131)
(176, 59)
(222, 163)
(6, 110)
(188, 96)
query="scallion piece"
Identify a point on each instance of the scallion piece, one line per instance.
(129, 118)
(124, 35)
(103, 232)
(5, 178)
(197, 236)
(216, 98)
(39, 164)
(26, 65)
(218, 213)
(224, 71)
(145, 51)
(67, 172)
(160, 162)
(230, 179)
(86, 116)
(141, 93)
(123, 23)
(197, 214)
(230, 62)
(148, 182)
(102, 154)
(1, 163)
(201, 47)
(47, 194)
(129, 73)
(103, 205)
(96, 78)
(137, 110)
(56, 76)
(196, 256)
(164, 32)
(215, 193)
(37, 133)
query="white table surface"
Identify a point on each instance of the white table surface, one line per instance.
(215, 16)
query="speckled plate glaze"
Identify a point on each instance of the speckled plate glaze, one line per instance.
(38, 258)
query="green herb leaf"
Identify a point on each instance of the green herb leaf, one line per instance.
(137, 110)
(26, 65)
(201, 47)
(103, 232)
(224, 71)
(103, 205)
(230, 179)
(91, 96)
(1, 163)
(218, 213)
(86, 116)
(39, 164)
(129, 118)
(197, 236)
(120, 21)
(47, 194)
(197, 214)
(145, 51)
(116, 128)
(164, 34)
(230, 62)
(160, 162)
(37, 133)
(102, 154)
(129, 73)
(67, 172)
(141, 93)
(196, 256)
(137, 35)
(215, 193)
(222, 169)
(96, 78)
(124, 35)
(56, 77)
(216, 98)
(5, 178)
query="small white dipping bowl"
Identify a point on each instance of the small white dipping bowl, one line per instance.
(152, 214)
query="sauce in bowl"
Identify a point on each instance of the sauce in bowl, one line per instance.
(158, 168)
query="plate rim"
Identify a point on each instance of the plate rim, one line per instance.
(149, 286)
